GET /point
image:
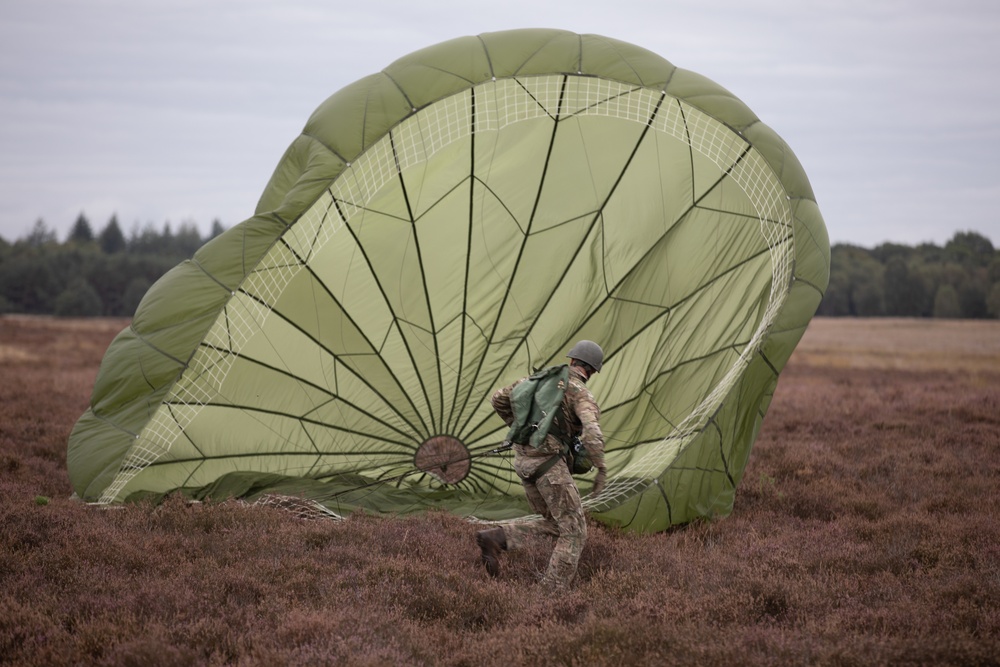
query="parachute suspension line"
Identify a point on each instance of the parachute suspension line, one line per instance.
(751, 173)
(303, 261)
(648, 123)
(427, 297)
(639, 263)
(249, 410)
(675, 305)
(767, 361)
(360, 329)
(561, 112)
(399, 478)
(666, 502)
(335, 357)
(312, 441)
(744, 166)
(243, 317)
(198, 465)
(468, 255)
(324, 389)
(525, 233)
(722, 449)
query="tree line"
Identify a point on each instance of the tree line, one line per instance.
(91, 274)
(959, 280)
(106, 273)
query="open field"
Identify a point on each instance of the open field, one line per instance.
(866, 532)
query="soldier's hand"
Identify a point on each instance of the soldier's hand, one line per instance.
(602, 474)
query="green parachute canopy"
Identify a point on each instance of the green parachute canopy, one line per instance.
(437, 231)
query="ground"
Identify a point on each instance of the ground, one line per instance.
(865, 531)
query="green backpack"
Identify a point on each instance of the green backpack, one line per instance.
(536, 404)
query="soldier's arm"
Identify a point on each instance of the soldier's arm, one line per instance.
(501, 403)
(592, 436)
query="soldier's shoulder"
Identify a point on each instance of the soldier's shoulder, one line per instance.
(507, 389)
(578, 388)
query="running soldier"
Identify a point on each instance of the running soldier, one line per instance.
(553, 493)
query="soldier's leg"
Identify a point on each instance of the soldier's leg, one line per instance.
(517, 532)
(563, 502)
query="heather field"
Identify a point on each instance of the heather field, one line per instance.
(866, 531)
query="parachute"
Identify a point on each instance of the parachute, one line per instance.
(437, 231)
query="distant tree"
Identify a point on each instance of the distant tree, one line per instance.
(106, 277)
(856, 283)
(972, 300)
(887, 251)
(930, 253)
(28, 283)
(921, 292)
(40, 235)
(993, 301)
(145, 241)
(896, 287)
(217, 229)
(133, 294)
(969, 249)
(941, 273)
(187, 239)
(111, 238)
(81, 231)
(904, 289)
(836, 300)
(993, 272)
(5, 253)
(867, 299)
(79, 300)
(946, 303)
(167, 238)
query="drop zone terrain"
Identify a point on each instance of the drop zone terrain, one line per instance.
(866, 530)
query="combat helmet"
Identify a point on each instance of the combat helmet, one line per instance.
(589, 353)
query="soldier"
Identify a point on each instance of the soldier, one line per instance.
(553, 493)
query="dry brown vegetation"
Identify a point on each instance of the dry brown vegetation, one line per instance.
(866, 531)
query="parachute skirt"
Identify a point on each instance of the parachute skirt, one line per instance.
(437, 231)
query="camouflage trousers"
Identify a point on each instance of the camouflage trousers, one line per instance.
(555, 497)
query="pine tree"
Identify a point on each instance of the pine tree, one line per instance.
(40, 235)
(111, 238)
(217, 229)
(81, 232)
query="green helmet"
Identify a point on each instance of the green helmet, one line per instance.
(589, 353)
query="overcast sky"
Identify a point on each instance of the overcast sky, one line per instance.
(177, 110)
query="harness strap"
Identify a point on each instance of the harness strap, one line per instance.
(544, 468)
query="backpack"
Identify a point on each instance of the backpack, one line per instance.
(537, 405)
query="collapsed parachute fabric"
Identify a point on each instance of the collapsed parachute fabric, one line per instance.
(437, 231)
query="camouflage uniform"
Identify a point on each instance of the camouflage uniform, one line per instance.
(554, 495)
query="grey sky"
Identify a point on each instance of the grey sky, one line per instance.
(179, 110)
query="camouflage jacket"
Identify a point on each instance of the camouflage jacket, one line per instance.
(579, 412)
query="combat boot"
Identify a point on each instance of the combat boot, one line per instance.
(492, 542)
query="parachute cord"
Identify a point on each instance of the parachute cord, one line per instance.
(507, 445)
